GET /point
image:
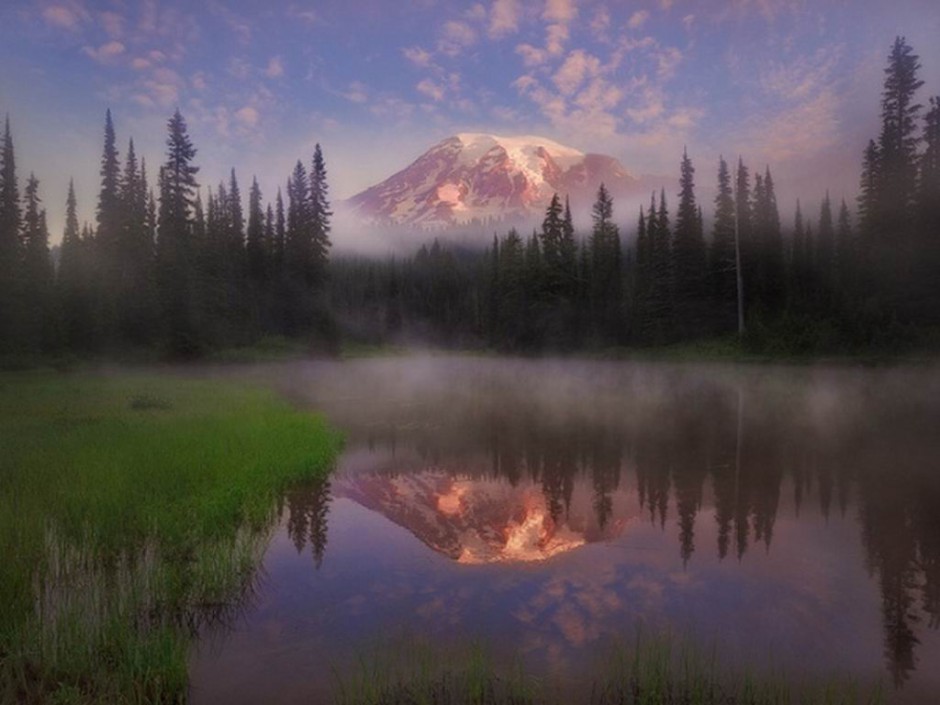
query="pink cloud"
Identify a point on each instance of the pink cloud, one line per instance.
(417, 56)
(68, 17)
(638, 19)
(504, 18)
(106, 52)
(248, 116)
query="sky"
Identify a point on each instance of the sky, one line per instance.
(793, 84)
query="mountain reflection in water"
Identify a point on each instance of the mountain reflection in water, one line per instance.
(828, 475)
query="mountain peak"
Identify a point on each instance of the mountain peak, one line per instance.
(482, 177)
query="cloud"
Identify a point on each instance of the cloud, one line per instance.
(247, 116)
(600, 24)
(106, 52)
(237, 24)
(356, 93)
(275, 67)
(505, 113)
(113, 24)
(139, 63)
(638, 19)
(198, 81)
(667, 60)
(68, 16)
(166, 95)
(304, 14)
(576, 67)
(504, 18)
(800, 131)
(560, 11)
(555, 37)
(648, 105)
(799, 79)
(456, 36)
(417, 56)
(392, 107)
(431, 89)
(239, 68)
(768, 9)
(476, 13)
(531, 56)
(800, 109)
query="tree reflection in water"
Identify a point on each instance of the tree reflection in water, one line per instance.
(730, 442)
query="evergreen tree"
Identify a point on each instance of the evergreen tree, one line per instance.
(135, 305)
(746, 242)
(175, 246)
(10, 251)
(280, 232)
(301, 263)
(73, 282)
(255, 247)
(568, 251)
(511, 291)
(688, 253)
(897, 144)
(869, 192)
(605, 264)
(320, 215)
(200, 228)
(722, 256)
(534, 277)
(109, 217)
(824, 264)
(37, 272)
(659, 302)
(845, 255)
(928, 185)
(551, 247)
(109, 197)
(768, 239)
(642, 276)
(256, 265)
(299, 245)
(799, 261)
(234, 261)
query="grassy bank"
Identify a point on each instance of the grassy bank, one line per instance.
(132, 510)
(656, 670)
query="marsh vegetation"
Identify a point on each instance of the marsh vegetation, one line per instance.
(134, 511)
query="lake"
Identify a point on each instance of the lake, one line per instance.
(784, 517)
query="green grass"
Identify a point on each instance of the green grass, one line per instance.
(655, 670)
(133, 510)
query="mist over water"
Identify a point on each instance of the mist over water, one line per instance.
(549, 508)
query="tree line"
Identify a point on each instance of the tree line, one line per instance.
(162, 270)
(166, 270)
(827, 280)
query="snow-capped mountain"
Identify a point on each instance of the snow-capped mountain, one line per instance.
(480, 177)
(479, 521)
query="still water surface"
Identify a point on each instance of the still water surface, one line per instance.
(549, 509)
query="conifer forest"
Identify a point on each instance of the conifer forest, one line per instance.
(180, 269)
(514, 352)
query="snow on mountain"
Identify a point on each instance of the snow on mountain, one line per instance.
(480, 521)
(480, 177)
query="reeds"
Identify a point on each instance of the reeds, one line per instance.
(652, 670)
(133, 512)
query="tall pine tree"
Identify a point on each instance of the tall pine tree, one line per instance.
(176, 248)
(688, 253)
(722, 266)
(10, 251)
